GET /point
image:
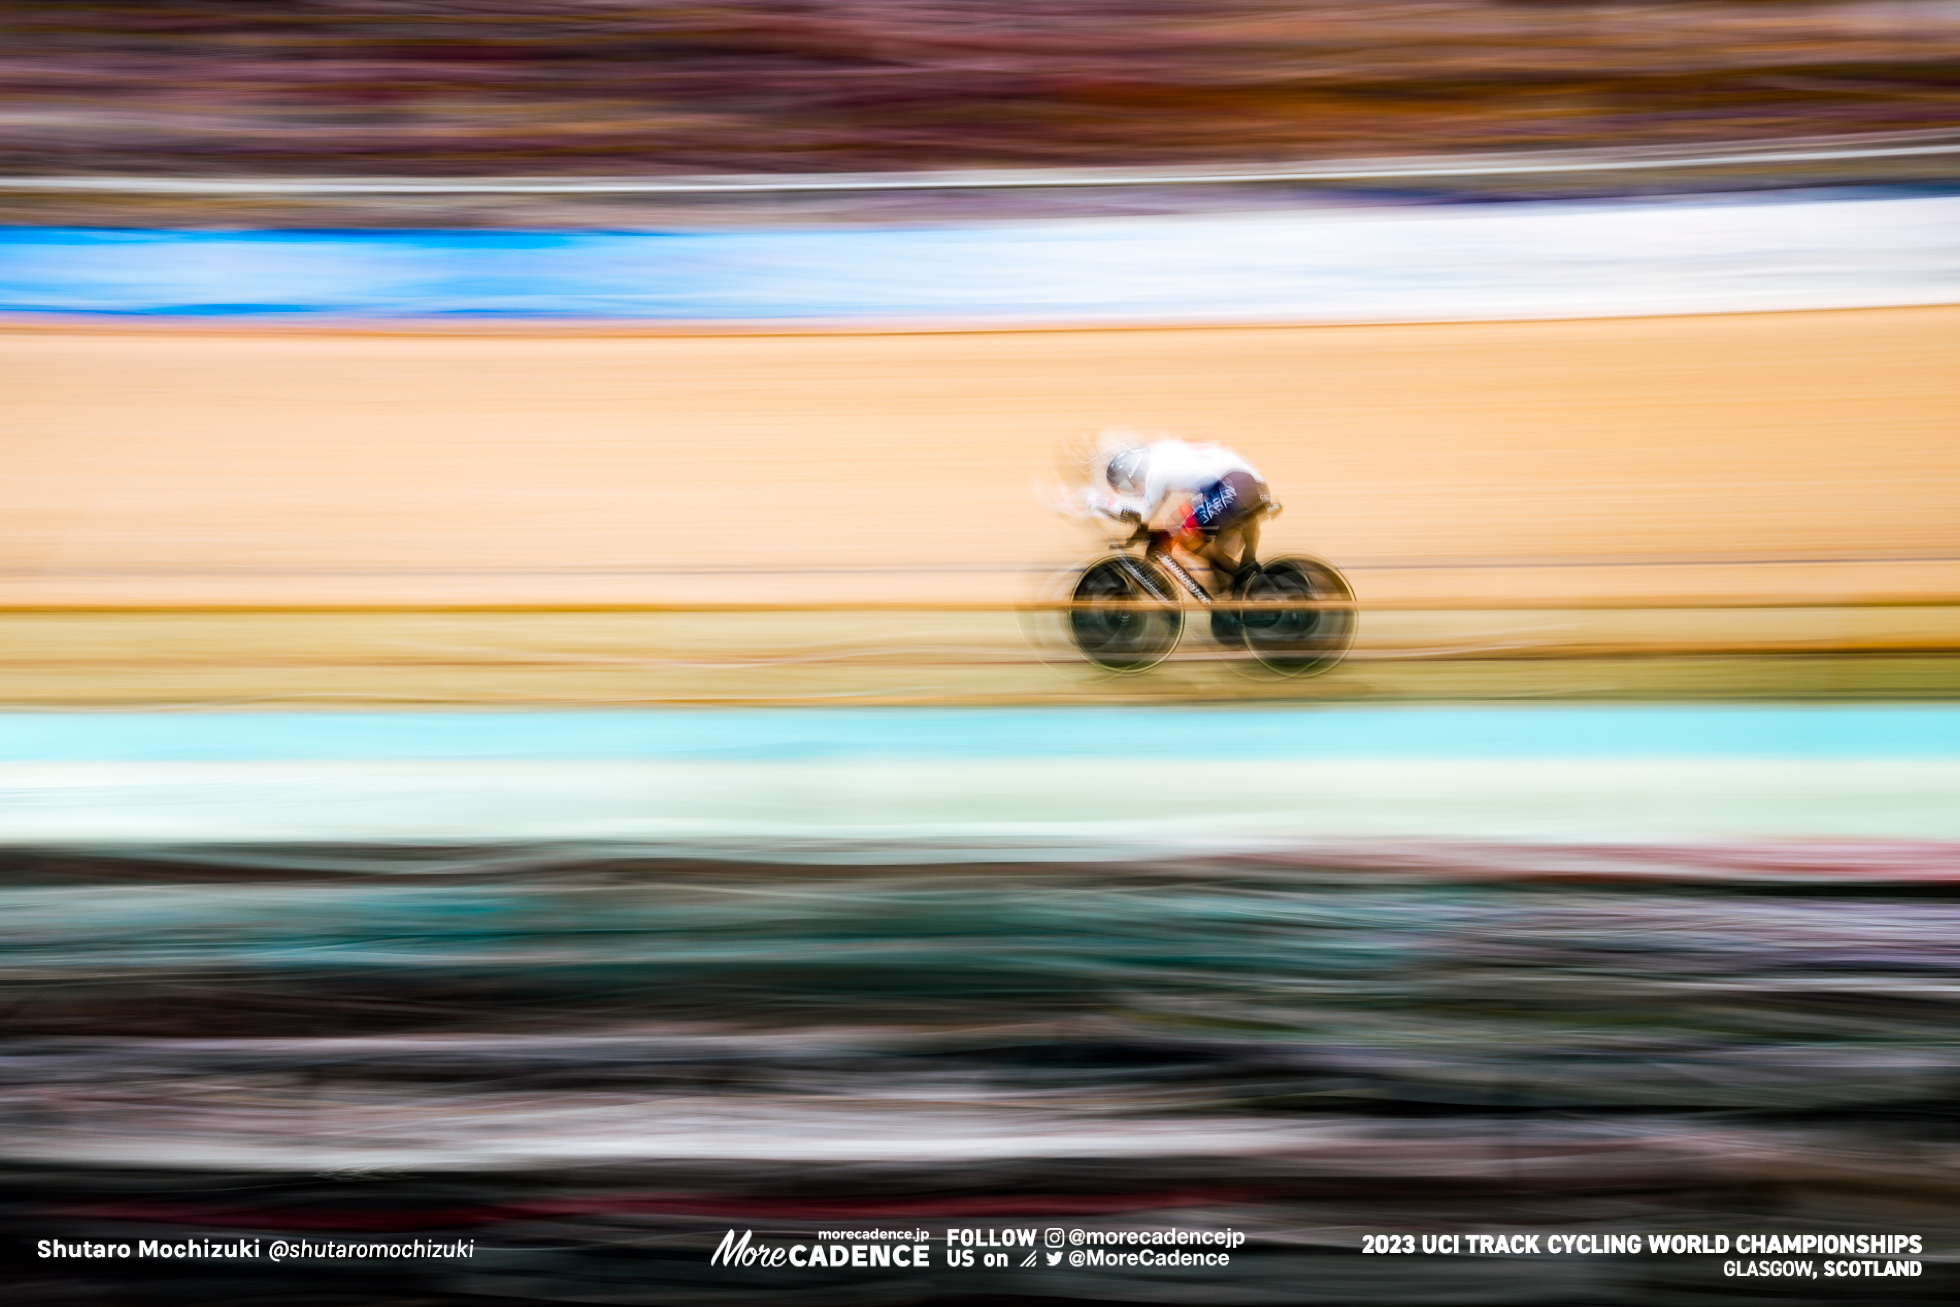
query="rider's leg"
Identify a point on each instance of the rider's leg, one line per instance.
(1234, 552)
(1228, 514)
(1248, 546)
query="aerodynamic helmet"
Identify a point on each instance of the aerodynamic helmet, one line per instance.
(1124, 467)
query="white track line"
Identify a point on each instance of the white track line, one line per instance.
(1525, 163)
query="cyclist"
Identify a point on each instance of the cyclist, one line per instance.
(1205, 497)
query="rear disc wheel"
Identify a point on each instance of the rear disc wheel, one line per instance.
(1297, 616)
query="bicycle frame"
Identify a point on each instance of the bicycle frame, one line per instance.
(1158, 549)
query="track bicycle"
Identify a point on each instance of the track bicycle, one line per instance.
(1294, 614)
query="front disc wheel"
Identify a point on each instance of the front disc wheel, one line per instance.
(1117, 622)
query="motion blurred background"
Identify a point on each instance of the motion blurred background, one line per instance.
(593, 88)
(527, 716)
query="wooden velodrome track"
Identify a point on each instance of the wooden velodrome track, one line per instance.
(1803, 456)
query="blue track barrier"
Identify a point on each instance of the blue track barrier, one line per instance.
(1834, 250)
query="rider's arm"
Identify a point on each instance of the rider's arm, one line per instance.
(1171, 471)
(1109, 504)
